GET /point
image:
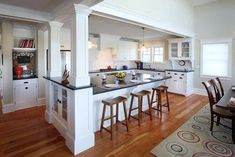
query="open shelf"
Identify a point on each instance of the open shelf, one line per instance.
(17, 49)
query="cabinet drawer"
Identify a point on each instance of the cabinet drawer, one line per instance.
(25, 82)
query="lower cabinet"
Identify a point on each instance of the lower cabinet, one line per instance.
(180, 82)
(60, 103)
(25, 93)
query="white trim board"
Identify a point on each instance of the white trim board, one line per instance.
(199, 91)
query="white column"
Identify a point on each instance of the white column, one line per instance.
(54, 56)
(80, 134)
(79, 33)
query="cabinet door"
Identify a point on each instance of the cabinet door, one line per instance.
(174, 48)
(25, 96)
(64, 104)
(121, 53)
(55, 106)
(185, 49)
(132, 48)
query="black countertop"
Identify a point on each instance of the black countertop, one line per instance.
(98, 84)
(155, 70)
(125, 83)
(57, 80)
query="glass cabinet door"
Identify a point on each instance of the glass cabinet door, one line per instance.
(174, 49)
(64, 104)
(55, 99)
(185, 49)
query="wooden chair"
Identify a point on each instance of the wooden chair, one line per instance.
(212, 91)
(115, 101)
(218, 88)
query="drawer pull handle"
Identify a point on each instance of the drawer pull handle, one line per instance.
(26, 87)
(182, 74)
(26, 82)
(181, 78)
(175, 73)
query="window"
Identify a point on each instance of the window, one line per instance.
(152, 54)
(158, 54)
(215, 59)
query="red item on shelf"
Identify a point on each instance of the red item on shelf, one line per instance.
(18, 72)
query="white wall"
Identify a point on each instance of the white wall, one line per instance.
(7, 44)
(172, 15)
(214, 21)
(41, 65)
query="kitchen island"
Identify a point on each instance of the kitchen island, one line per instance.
(131, 83)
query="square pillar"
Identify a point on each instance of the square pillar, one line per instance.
(79, 33)
(54, 55)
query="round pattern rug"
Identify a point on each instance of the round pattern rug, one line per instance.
(203, 154)
(196, 127)
(218, 149)
(176, 148)
(222, 136)
(188, 136)
(202, 119)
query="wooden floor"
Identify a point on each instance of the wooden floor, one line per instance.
(26, 133)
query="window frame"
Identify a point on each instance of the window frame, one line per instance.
(152, 53)
(217, 41)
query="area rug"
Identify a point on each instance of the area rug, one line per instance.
(194, 139)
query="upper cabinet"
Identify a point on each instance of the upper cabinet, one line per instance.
(180, 49)
(127, 50)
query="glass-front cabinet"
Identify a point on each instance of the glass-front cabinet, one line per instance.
(60, 103)
(180, 48)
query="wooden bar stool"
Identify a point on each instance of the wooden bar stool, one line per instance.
(159, 91)
(140, 96)
(115, 101)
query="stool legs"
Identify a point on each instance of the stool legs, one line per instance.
(132, 99)
(125, 114)
(167, 101)
(111, 121)
(149, 104)
(102, 119)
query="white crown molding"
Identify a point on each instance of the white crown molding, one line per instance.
(14, 12)
(107, 8)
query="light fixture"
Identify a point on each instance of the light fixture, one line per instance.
(143, 48)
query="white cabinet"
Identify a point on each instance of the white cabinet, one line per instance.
(180, 48)
(180, 82)
(127, 50)
(25, 93)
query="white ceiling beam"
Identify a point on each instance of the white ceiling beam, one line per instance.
(62, 12)
(8, 11)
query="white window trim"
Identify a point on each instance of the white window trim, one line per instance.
(217, 41)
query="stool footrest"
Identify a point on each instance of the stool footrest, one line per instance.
(107, 118)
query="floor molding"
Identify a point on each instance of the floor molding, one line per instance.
(6, 108)
(200, 91)
(41, 101)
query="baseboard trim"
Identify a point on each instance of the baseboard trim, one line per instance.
(200, 91)
(6, 108)
(41, 101)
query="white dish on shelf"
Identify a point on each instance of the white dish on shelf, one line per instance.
(135, 81)
(111, 85)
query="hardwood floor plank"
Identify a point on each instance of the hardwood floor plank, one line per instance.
(26, 133)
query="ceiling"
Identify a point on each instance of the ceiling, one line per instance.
(201, 2)
(39, 5)
(100, 25)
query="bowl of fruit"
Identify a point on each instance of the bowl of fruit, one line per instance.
(120, 76)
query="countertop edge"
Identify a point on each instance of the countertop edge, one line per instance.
(66, 86)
